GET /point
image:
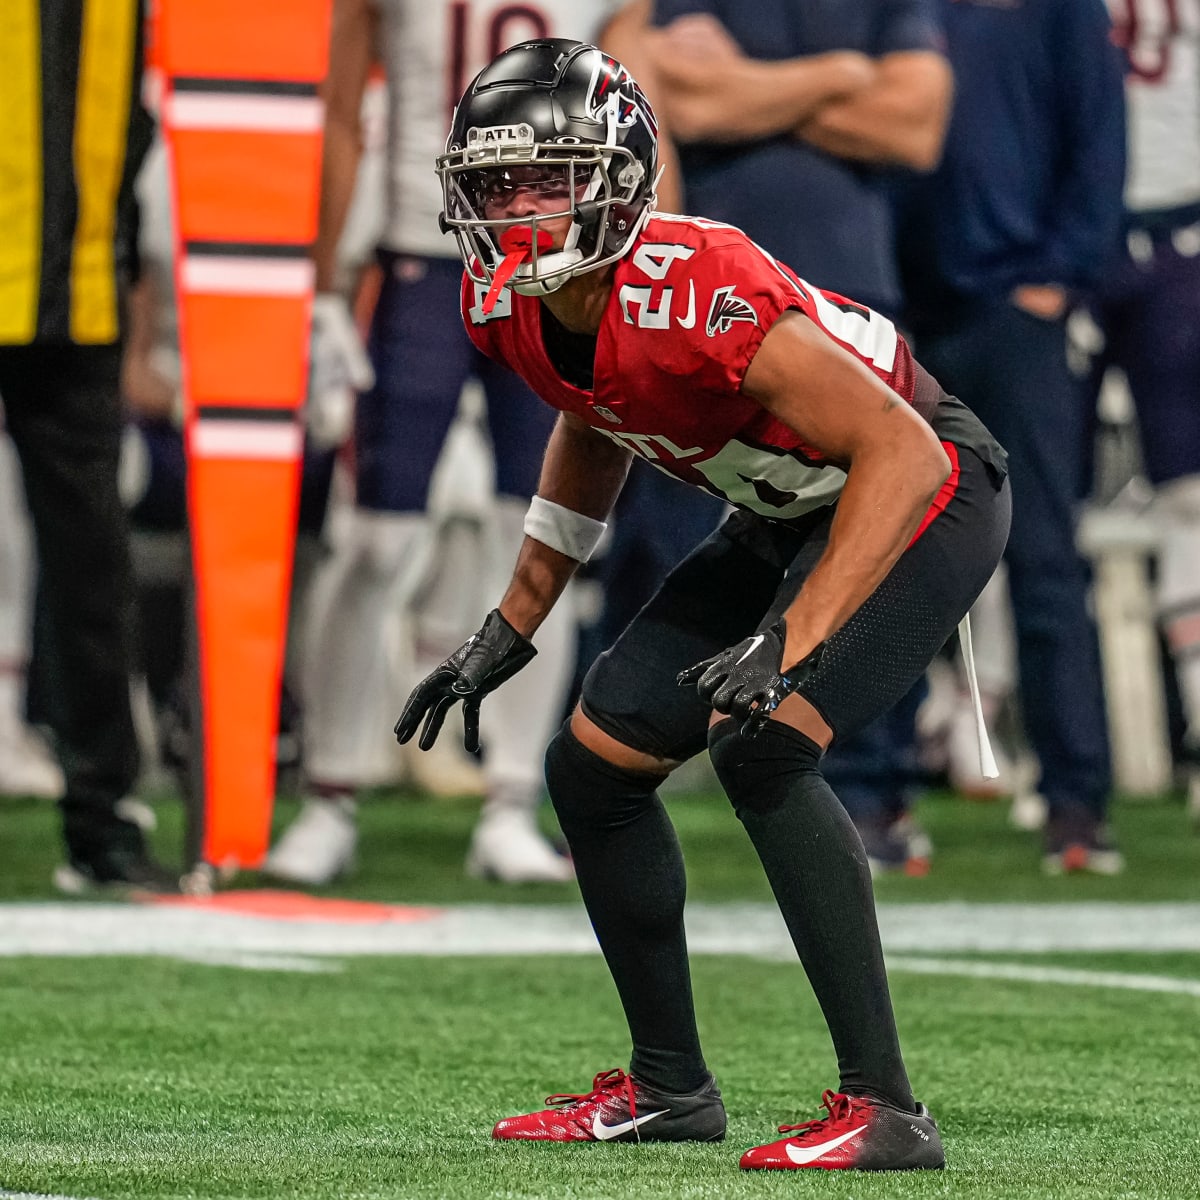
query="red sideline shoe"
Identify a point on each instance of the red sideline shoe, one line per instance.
(860, 1134)
(620, 1109)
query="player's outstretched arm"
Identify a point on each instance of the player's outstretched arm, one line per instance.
(895, 467)
(582, 474)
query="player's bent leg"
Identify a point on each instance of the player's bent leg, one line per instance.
(602, 770)
(809, 848)
(818, 870)
(815, 862)
(365, 578)
(369, 575)
(630, 873)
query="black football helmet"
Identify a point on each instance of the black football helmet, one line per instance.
(568, 115)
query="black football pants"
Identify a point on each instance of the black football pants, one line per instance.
(63, 411)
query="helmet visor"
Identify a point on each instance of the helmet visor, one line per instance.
(491, 191)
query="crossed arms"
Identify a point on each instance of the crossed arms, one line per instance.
(889, 111)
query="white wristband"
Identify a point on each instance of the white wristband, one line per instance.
(563, 529)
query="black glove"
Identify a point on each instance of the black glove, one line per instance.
(480, 665)
(747, 681)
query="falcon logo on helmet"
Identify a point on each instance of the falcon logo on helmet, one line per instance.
(562, 119)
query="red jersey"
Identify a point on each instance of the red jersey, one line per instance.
(691, 302)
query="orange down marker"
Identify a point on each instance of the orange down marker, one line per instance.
(243, 124)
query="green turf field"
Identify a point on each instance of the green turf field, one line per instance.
(381, 1076)
(413, 847)
(151, 1079)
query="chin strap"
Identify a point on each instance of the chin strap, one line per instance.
(518, 245)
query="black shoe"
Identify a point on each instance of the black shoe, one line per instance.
(896, 845)
(1077, 846)
(118, 864)
(620, 1109)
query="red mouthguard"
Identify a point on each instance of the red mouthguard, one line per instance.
(518, 246)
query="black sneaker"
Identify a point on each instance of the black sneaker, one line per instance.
(857, 1134)
(118, 865)
(1080, 846)
(621, 1109)
(897, 845)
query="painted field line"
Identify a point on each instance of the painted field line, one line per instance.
(31, 1196)
(65, 930)
(1024, 973)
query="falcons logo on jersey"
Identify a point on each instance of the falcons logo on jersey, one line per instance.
(725, 309)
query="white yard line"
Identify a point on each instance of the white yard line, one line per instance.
(914, 935)
(88, 930)
(31, 1196)
(1023, 973)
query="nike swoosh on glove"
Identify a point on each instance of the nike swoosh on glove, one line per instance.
(479, 666)
(338, 370)
(747, 681)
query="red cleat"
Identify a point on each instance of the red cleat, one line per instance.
(859, 1134)
(620, 1109)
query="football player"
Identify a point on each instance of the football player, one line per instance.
(420, 360)
(870, 508)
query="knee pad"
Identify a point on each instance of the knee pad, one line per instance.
(588, 792)
(747, 765)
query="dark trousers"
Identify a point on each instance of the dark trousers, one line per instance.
(1010, 368)
(422, 358)
(62, 409)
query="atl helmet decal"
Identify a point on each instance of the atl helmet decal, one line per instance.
(725, 309)
(504, 136)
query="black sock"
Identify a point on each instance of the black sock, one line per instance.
(630, 872)
(818, 870)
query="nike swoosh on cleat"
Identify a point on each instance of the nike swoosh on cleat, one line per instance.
(756, 641)
(605, 1132)
(803, 1155)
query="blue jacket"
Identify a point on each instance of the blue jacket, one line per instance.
(1029, 189)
